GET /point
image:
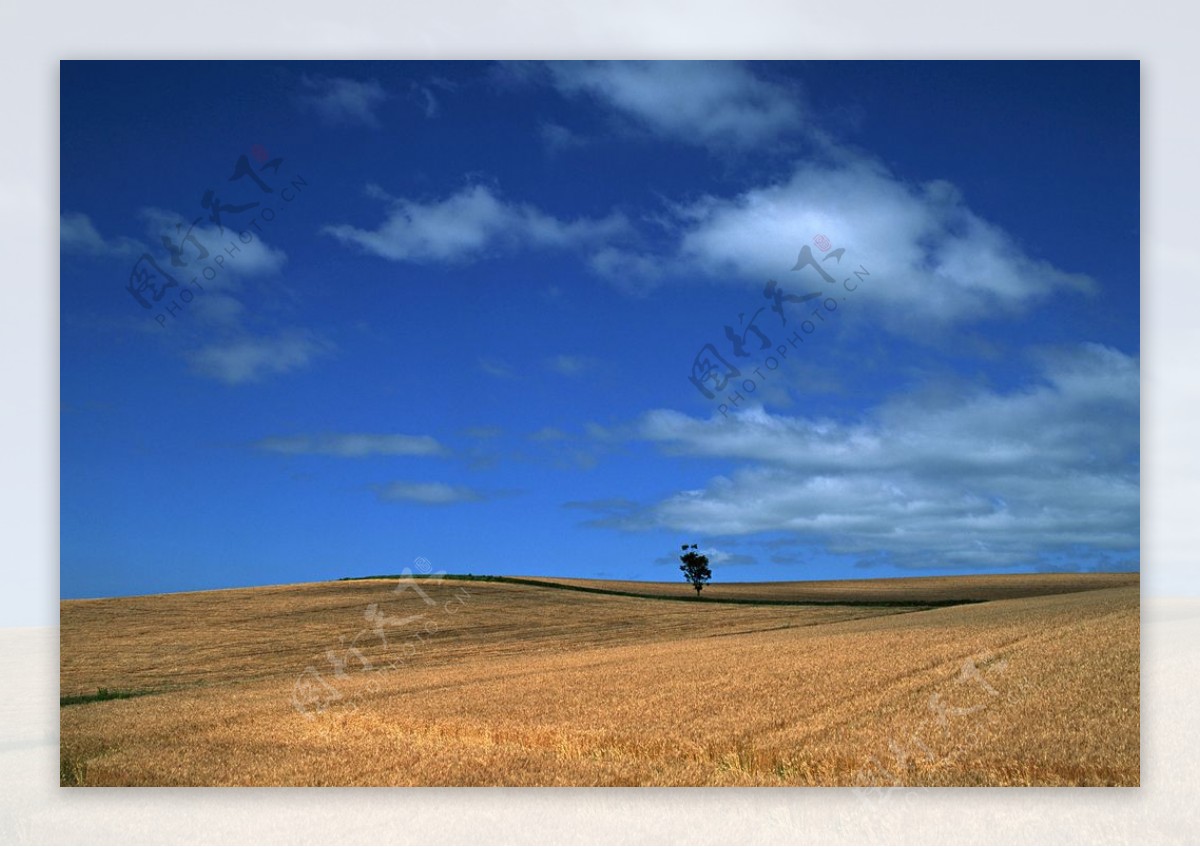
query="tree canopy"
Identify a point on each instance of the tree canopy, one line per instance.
(695, 567)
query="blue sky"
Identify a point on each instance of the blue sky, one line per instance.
(468, 321)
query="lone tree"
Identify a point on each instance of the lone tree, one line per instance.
(695, 567)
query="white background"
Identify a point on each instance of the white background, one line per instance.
(35, 36)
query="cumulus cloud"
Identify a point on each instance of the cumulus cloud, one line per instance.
(228, 341)
(932, 259)
(715, 556)
(208, 245)
(609, 512)
(548, 433)
(354, 445)
(716, 104)
(337, 100)
(247, 359)
(427, 493)
(423, 94)
(217, 338)
(981, 478)
(496, 367)
(570, 450)
(238, 355)
(199, 245)
(463, 226)
(429, 103)
(557, 137)
(567, 365)
(77, 234)
(219, 261)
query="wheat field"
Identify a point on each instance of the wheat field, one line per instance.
(439, 682)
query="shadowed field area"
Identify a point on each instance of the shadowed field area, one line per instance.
(426, 682)
(913, 590)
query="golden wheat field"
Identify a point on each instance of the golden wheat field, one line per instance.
(440, 682)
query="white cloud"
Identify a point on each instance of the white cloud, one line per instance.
(354, 445)
(548, 433)
(716, 104)
(715, 556)
(571, 365)
(241, 353)
(557, 137)
(461, 227)
(573, 450)
(342, 101)
(987, 479)
(200, 245)
(238, 355)
(77, 234)
(425, 96)
(428, 493)
(207, 245)
(217, 308)
(247, 359)
(634, 273)
(931, 259)
(212, 263)
(496, 367)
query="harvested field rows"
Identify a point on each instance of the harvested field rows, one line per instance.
(503, 684)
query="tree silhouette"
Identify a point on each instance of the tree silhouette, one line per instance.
(695, 567)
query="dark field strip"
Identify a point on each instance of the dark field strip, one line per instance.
(101, 695)
(915, 605)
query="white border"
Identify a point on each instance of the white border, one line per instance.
(35, 36)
